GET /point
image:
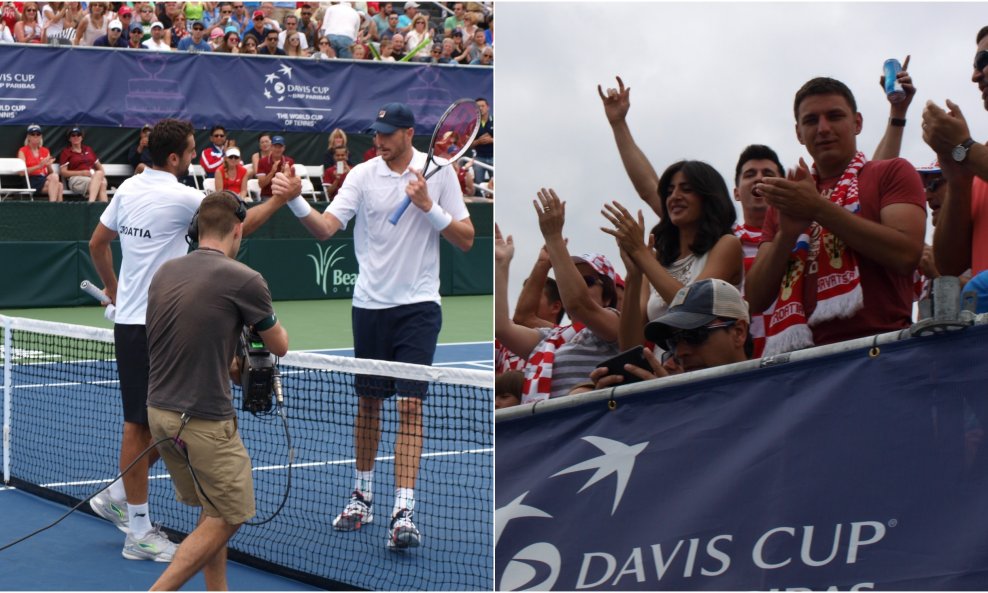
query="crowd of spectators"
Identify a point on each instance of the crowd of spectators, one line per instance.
(380, 31)
(825, 252)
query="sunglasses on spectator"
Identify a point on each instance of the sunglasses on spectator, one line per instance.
(75, 134)
(696, 336)
(34, 133)
(198, 28)
(233, 156)
(932, 185)
(323, 43)
(591, 281)
(30, 10)
(116, 29)
(981, 60)
(219, 135)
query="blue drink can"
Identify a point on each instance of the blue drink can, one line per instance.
(893, 88)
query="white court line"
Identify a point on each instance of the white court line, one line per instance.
(310, 464)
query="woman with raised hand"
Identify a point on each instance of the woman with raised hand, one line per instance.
(560, 358)
(38, 162)
(693, 240)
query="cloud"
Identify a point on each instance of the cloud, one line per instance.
(707, 79)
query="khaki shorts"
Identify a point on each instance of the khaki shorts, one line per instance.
(79, 184)
(217, 456)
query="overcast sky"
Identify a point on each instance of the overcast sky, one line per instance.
(706, 79)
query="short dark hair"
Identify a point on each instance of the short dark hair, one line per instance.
(214, 128)
(168, 136)
(823, 86)
(982, 33)
(482, 99)
(218, 214)
(757, 152)
(717, 214)
(551, 291)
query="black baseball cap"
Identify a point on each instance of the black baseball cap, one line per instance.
(393, 117)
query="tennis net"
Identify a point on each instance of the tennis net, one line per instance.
(62, 426)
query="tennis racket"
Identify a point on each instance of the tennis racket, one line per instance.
(90, 289)
(451, 139)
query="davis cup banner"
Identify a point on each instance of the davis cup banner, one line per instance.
(128, 88)
(847, 472)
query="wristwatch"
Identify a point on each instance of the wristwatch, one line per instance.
(959, 152)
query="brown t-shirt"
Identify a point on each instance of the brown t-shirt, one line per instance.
(198, 305)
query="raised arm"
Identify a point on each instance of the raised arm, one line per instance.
(517, 338)
(579, 303)
(526, 310)
(458, 232)
(891, 143)
(952, 240)
(643, 177)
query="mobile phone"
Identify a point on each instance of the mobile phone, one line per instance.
(634, 356)
(339, 167)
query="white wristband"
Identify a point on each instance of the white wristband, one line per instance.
(438, 218)
(299, 207)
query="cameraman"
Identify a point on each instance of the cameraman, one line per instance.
(197, 306)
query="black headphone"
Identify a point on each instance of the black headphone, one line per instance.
(192, 234)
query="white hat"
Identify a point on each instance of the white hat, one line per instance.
(157, 24)
(233, 151)
(115, 24)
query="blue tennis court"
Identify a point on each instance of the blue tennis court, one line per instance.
(66, 422)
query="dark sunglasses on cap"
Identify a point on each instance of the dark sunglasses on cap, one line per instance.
(696, 336)
(981, 60)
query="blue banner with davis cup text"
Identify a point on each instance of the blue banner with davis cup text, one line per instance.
(128, 88)
(851, 472)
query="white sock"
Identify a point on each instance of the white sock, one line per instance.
(404, 499)
(140, 521)
(117, 491)
(364, 484)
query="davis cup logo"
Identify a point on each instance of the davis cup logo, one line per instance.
(537, 566)
(274, 86)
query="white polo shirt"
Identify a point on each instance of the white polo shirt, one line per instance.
(151, 213)
(399, 264)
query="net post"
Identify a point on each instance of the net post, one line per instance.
(7, 395)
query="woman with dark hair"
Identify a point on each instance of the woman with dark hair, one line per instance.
(693, 240)
(560, 358)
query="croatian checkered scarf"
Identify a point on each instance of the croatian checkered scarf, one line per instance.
(822, 259)
(538, 371)
(750, 238)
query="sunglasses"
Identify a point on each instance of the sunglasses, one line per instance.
(933, 184)
(75, 134)
(694, 337)
(591, 281)
(981, 60)
(34, 133)
(233, 156)
(218, 135)
(117, 30)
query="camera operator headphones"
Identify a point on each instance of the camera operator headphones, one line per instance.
(192, 234)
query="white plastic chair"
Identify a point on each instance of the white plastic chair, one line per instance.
(15, 166)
